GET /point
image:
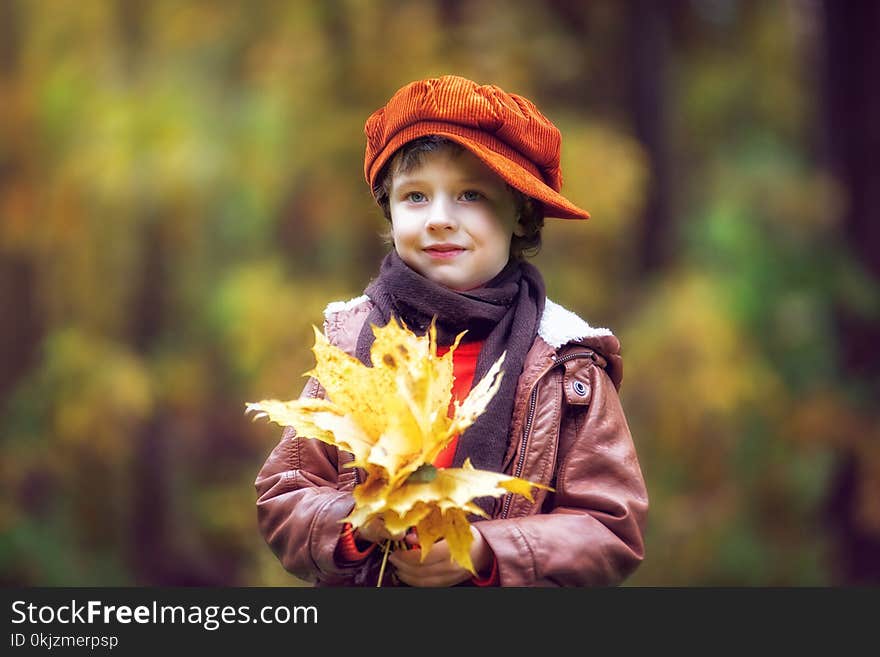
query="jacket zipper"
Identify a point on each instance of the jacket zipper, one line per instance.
(527, 426)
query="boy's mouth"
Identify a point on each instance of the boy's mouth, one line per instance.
(443, 251)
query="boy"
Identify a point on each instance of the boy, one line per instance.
(465, 174)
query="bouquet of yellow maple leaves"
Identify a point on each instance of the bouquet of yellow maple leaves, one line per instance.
(395, 418)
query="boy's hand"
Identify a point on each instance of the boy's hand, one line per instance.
(438, 568)
(375, 531)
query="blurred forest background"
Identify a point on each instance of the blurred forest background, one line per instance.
(181, 194)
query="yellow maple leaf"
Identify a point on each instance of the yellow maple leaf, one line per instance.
(449, 496)
(452, 525)
(394, 417)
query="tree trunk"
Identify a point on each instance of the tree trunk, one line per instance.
(22, 328)
(852, 139)
(649, 61)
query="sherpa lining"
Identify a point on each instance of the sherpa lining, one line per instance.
(339, 306)
(559, 326)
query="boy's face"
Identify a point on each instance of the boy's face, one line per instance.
(452, 219)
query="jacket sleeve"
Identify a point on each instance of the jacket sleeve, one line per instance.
(590, 532)
(300, 506)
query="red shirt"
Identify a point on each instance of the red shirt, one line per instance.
(464, 363)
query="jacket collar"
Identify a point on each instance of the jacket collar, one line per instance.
(558, 325)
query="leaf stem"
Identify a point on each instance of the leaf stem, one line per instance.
(384, 560)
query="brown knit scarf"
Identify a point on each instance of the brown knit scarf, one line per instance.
(505, 313)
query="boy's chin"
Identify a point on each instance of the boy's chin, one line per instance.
(454, 283)
(459, 286)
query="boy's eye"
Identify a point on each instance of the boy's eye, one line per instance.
(471, 195)
(415, 197)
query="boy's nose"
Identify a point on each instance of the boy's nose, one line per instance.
(441, 215)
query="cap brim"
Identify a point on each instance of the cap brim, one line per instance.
(555, 204)
(517, 176)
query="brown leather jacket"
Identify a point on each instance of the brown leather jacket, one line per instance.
(568, 431)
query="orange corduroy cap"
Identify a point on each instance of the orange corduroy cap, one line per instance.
(506, 131)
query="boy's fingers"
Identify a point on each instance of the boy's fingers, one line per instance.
(405, 558)
(375, 531)
(438, 553)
